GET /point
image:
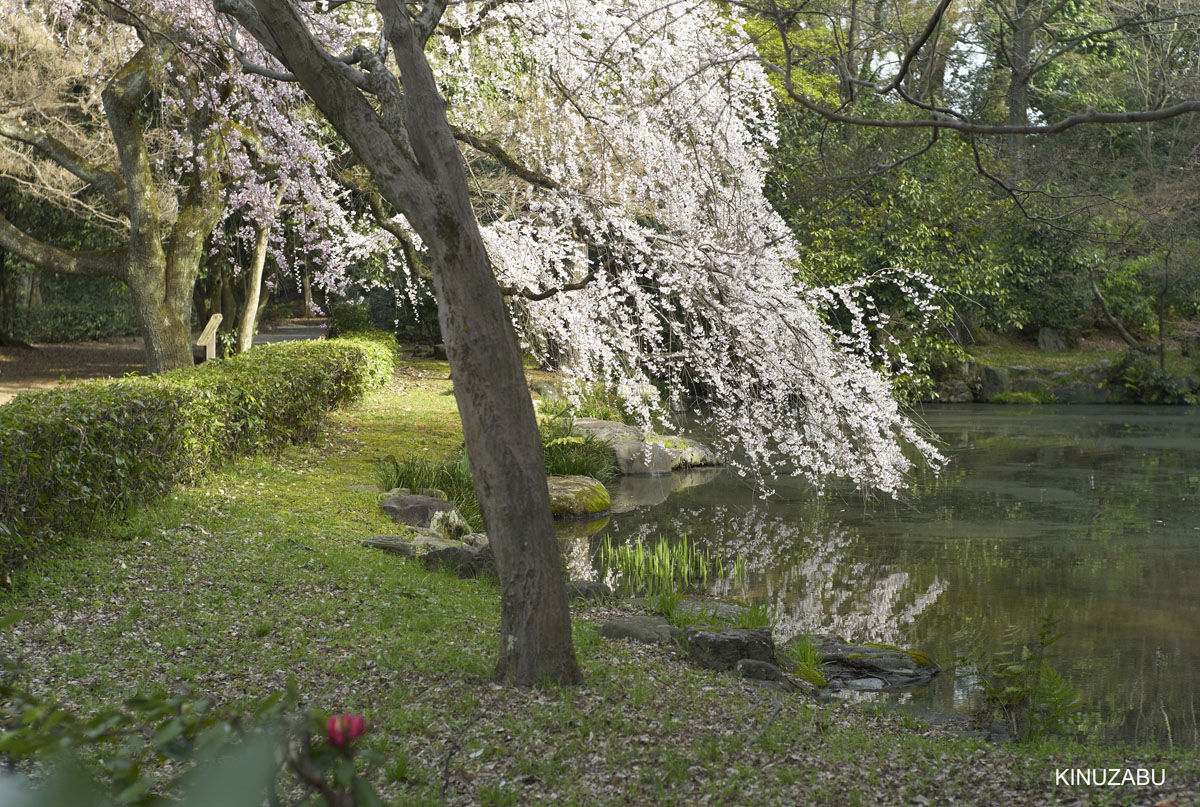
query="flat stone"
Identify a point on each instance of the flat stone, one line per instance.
(1080, 393)
(462, 560)
(588, 590)
(637, 458)
(844, 664)
(414, 510)
(578, 497)
(722, 649)
(396, 544)
(643, 628)
(861, 684)
(609, 430)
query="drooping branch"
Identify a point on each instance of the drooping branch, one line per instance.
(494, 149)
(1109, 317)
(105, 262)
(102, 178)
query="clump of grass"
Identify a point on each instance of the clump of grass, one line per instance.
(667, 567)
(452, 477)
(754, 615)
(571, 454)
(803, 653)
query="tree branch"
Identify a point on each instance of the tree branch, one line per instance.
(106, 262)
(103, 179)
(507, 160)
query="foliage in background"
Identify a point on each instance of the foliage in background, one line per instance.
(348, 317)
(159, 748)
(1139, 372)
(77, 453)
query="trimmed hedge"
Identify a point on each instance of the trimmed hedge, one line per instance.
(71, 454)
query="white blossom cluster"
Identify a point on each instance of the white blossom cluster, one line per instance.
(654, 121)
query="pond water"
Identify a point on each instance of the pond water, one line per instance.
(1087, 512)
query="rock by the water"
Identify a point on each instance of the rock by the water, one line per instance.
(993, 381)
(685, 452)
(1080, 393)
(462, 560)
(848, 666)
(639, 458)
(577, 497)
(723, 649)
(425, 540)
(953, 391)
(609, 430)
(414, 510)
(645, 629)
(588, 590)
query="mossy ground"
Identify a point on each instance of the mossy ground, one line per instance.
(257, 574)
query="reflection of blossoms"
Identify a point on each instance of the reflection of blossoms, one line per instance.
(811, 583)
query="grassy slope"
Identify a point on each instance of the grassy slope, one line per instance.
(1003, 352)
(230, 587)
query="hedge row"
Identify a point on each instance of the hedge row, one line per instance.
(71, 454)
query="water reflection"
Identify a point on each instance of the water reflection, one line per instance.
(1087, 511)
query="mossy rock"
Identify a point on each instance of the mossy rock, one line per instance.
(579, 497)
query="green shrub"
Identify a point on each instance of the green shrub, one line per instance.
(72, 454)
(347, 317)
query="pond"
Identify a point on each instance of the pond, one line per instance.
(1089, 513)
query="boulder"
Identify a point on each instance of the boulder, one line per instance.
(1080, 393)
(685, 452)
(953, 391)
(546, 390)
(577, 497)
(588, 590)
(449, 524)
(643, 628)
(1034, 385)
(637, 458)
(478, 539)
(712, 612)
(723, 649)
(424, 541)
(851, 666)
(1051, 341)
(414, 510)
(462, 560)
(765, 672)
(609, 430)
(993, 381)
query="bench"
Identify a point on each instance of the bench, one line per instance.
(205, 347)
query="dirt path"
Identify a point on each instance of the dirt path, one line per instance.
(47, 364)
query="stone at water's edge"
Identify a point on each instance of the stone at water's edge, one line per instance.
(462, 560)
(609, 430)
(588, 590)
(722, 648)
(637, 458)
(414, 510)
(685, 452)
(849, 666)
(577, 497)
(644, 629)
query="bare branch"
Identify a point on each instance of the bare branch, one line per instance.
(507, 160)
(103, 179)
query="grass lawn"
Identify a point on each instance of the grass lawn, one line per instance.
(230, 587)
(1008, 352)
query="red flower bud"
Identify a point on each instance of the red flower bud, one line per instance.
(344, 728)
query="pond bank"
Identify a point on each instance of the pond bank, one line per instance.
(259, 574)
